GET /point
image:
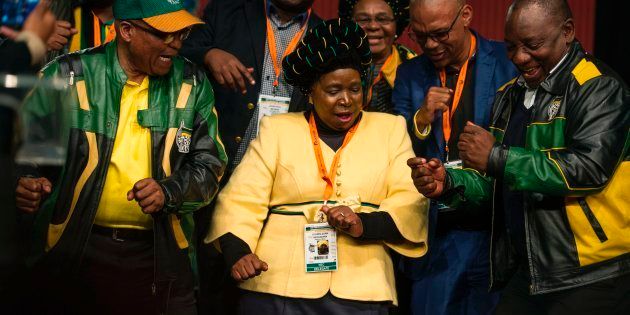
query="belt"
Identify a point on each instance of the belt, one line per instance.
(122, 235)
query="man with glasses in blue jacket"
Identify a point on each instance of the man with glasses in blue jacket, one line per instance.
(453, 82)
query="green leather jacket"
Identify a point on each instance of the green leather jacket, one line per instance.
(573, 173)
(187, 156)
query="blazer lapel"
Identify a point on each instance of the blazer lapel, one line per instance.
(483, 81)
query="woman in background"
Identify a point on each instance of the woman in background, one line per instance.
(383, 21)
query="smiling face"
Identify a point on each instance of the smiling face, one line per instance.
(377, 20)
(536, 42)
(147, 52)
(435, 17)
(338, 98)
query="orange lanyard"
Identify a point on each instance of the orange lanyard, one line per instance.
(378, 78)
(96, 26)
(459, 88)
(111, 33)
(271, 41)
(328, 177)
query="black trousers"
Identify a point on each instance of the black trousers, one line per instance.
(606, 297)
(256, 303)
(116, 278)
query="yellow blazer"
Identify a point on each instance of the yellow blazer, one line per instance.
(279, 172)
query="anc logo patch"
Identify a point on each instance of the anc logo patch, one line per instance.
(183, 138)
(552, 111)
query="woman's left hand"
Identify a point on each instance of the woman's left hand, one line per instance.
(344, 219)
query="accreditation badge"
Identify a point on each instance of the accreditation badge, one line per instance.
(453, 165)
(320, 247)
(269, 105)
(457, 165)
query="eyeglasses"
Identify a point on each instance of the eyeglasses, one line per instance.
(440, 36)
(381, 20)
(166, 37)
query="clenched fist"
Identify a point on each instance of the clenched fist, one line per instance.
(436, 101)
(344, 219)
(247, 267)
(30, 192)
(149, 195)
(428, 177)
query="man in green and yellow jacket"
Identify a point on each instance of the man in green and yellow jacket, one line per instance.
(553, 169)
(143, 154)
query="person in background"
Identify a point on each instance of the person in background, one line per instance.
(453, 82)
(555, 172)
(114, 234)
(321, 166)
(383, 21)
(93, 25)
(19, 54)
(21, 50)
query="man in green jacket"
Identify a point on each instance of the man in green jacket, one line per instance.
(143, 154)
(554, 169)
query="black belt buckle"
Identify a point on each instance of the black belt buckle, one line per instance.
(115, 236)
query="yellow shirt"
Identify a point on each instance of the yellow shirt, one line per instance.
(130, 162)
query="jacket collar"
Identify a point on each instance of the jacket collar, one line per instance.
(389, 68)
(557, 81)
(114, 70)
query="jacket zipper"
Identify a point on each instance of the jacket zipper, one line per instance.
(106, 160)
(153, 175)
(530, 262)
(494, 189)
(494, 186)
(529, 253)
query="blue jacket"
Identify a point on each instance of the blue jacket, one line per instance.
(413, 79)
(415, 76)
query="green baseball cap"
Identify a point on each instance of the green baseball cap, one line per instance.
(164, 15)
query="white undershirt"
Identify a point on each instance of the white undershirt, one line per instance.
(530, 93)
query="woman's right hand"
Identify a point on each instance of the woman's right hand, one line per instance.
(247, 267)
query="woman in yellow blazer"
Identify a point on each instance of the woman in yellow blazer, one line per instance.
(336, 164)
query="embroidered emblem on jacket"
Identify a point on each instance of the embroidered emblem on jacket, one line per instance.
(183, 138)
(552, 111)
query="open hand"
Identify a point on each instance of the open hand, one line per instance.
(228, 71)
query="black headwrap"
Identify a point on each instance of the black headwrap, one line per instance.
(331, 45)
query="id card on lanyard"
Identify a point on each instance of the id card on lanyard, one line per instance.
(320, 239)
(447, 116)
(269, 105)
(320, 247)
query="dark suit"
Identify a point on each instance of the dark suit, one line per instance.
(238, 27)
(15, 57)
(452, 278)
